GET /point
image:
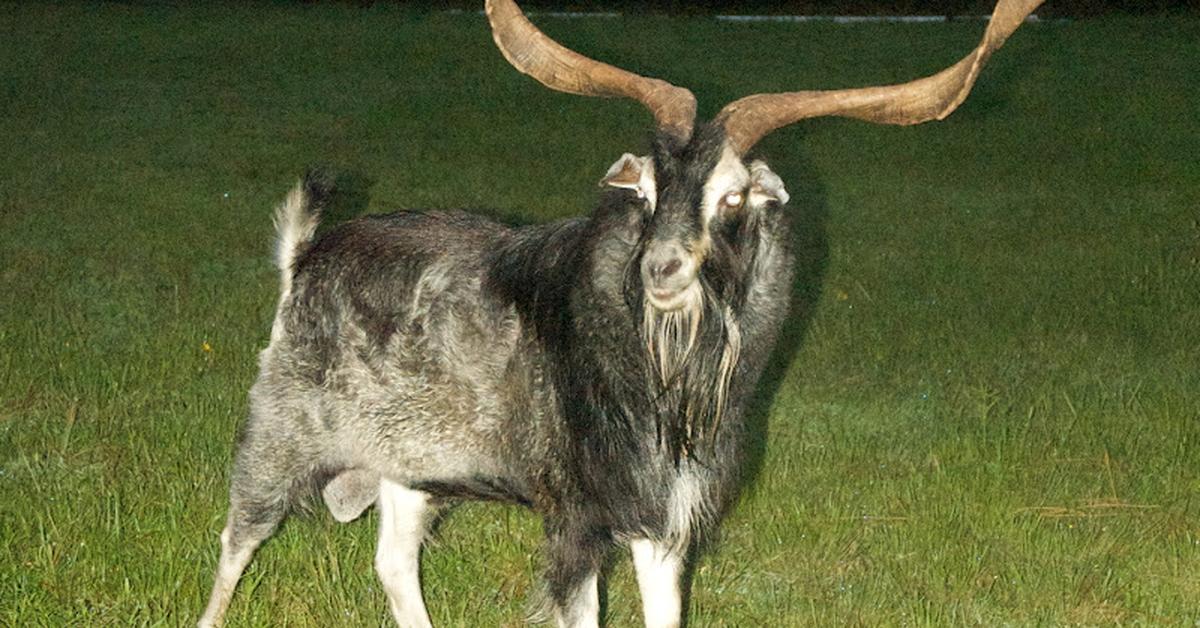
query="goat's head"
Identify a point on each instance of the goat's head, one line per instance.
(697, 177)
(695, 198)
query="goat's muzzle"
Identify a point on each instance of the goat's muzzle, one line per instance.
(669, 276)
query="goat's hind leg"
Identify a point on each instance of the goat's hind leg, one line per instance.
(404, 516)
(237, 547)
(259, 494)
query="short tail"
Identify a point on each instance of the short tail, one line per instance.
(296, 221)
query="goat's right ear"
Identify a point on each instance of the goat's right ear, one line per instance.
(633, 173)
(765, 185)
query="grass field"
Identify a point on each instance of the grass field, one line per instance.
(986, 410)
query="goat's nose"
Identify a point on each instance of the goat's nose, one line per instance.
(665, 268)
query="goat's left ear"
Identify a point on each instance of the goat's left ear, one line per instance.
(633, 173)
(765, 186)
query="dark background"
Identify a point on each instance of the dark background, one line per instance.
(1052, 8)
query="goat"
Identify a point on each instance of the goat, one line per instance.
(595, 369)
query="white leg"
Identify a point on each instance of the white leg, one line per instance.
(402, 525)
(583, 608)
(658, 569)
(229, 570)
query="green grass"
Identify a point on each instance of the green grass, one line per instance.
(986, 413)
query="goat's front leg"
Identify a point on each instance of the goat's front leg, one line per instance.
(573, 557)
(580, 608)
(659, 568)
(403, 520)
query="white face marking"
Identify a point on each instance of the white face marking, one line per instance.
(730, 177)
(647, 187)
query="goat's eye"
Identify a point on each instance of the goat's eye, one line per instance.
(733, 200)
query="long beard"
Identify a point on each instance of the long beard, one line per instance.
(671, 336)
(693, 352)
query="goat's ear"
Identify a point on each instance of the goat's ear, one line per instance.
(633, 173)
(765, 186)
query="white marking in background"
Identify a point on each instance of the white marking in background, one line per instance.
(564, 14)
(836, 19)
(839, 19)
(857, 19)
(574, 14)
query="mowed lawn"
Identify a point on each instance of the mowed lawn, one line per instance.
(985, 410)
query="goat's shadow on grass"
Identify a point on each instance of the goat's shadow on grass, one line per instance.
(809, 213)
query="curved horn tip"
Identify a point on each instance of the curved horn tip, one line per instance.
(749, 119)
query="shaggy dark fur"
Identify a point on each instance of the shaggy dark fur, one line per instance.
(466, 359)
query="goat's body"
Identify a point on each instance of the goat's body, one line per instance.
(459, 358)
